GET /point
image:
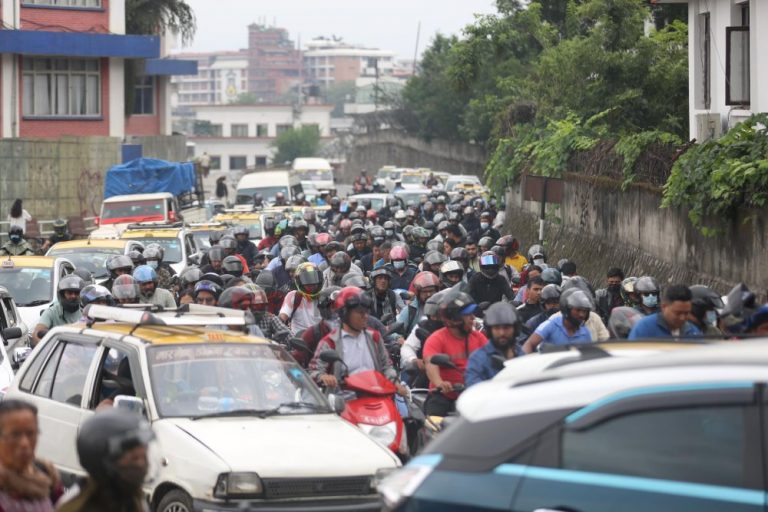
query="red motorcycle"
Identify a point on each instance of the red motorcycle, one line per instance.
(370, 404)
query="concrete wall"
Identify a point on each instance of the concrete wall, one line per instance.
(599, 226)
(171, 147)
(374, 150)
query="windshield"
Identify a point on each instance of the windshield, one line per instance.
(201, 379)
(245, 195)
(90, 258)
(315, 175)
(451, 185)
(383, 174)
(133, 211)
(412, 179)
(171, 246)
(28, 286)
(413, 196)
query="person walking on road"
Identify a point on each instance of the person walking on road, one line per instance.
(221, 189)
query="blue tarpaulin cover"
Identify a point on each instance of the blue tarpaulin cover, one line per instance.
(148, 175)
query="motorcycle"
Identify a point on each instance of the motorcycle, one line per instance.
(433, 425)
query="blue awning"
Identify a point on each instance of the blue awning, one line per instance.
(78, 44)
(170, 67)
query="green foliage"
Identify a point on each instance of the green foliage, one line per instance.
(297, 143)
(631, 146)
(154, 17)
(244, 98)
(717, 178)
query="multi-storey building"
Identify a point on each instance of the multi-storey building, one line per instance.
(274, 62)
(221, 77)
(327, 62)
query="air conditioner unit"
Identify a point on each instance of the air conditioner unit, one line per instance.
(708, 126)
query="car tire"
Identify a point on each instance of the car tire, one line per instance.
(175, 501)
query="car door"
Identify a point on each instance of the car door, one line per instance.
(56, 382)
(687, 448)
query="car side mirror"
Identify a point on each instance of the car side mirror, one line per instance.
(337, 403)
(442, 360)
(330, 357)
(129, 403)
(19, 356)
(11, 333)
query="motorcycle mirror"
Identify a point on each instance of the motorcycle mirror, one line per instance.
(337, 402)
(330, 357)
(10, 333)
(497, 362)
(442, 360)
(405, 295)
(298, 344)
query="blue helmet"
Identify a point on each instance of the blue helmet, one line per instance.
(144, 274)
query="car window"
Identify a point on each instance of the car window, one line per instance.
(703, 445)
(65, 373)
(34, 368)
(115, 377)
(11, 311)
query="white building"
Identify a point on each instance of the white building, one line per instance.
(371, 93)
(221, 77)
(242, 136)
(728, 69)
(329, 61)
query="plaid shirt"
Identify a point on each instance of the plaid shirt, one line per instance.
(273, 328)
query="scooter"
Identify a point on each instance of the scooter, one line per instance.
(370, 403)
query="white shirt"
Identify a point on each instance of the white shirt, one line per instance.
(306, 314)
(20, 222)
(357, 353)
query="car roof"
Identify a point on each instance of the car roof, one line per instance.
(139, 197)
(177, 334)
(30, 261)
(372, 195)
(111, 243)
(237, 216)
(410, 191)
(137, 234)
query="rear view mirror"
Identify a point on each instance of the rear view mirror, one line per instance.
(397, 327)
(298, 344)
(330, 357)
(129, 403)
(11, 333)
(19, 356)
(337, 402)
(497, 362)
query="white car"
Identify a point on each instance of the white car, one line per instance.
(456, 179)
(238, 422)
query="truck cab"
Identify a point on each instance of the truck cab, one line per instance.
(118, 212)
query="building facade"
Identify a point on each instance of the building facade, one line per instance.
(242, 137)
(63, 68)
(327, 62)
(221, 77)
(274, 62)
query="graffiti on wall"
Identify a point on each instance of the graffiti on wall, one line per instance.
(89, 192)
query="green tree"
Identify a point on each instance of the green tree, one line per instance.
(297, 143)
(244, 98)
(154, 17)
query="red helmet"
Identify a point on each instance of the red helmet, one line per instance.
(372, 215)
(398, 252)
(351, 297)
(345, 224)
(509, 243)
(425, 279)
(322, 239)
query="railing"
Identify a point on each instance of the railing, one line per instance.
(39, 230)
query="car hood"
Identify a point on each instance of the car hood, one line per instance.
(30, 315)
(290, 445)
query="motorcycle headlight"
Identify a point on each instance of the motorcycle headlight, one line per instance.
(238, 485)
(402, 483)
(385, 434)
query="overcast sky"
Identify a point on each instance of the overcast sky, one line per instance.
(388, 25)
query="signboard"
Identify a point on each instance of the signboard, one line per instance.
(542, 189)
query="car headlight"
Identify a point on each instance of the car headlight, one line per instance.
(238, 485)
(385, 434)
(402, 483)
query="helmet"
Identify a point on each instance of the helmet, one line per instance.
(398, 252)
(207, 286)
(325, 301)
(378, 234)
(105, 437)
(380, 272)
(154, 247)
(287, 241)
(454, 217)
(266, 280)
(424, 280)
(420, 232)
(300, 224)
(509, 243)
(345, 224)
(287, 252)
(269, 226)
(400, 215)
(190, 276)
(408, 233)
(153, 255)
(536, 253)
(120, 262)
(293, 262)
(95, 293)
(125, 288)
(575, 298)
(145, 274)
(489, 263)
(704, 299)
(215, 237)
(228, 243)
(260, 300)
(550, 293)
(551, 275)
(451, 267)
(16, 230)
(372, 215)
(468, 210)
(70, 283)
(349, 298)
(442, 225)
(432, 304)
(485, 243)
(434, 245)
(309, 280)
(357, 280)
(216, 253)
(501, 313)
(435, 258)
(455, 305)
(241, 230)
(622, 320)
(647, 285)
(236, 297)
(85, 275)
(578, 282)
(335, 201)
(232, 265)
(309, 215)
(460, 254)
(341, 262)
(137, 258)
(212, 277)
(60, 226)
(438, 218)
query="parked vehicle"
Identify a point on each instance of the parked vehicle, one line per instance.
(14, 331)
(315, 174)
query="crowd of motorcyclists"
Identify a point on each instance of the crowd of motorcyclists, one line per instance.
(430, 294)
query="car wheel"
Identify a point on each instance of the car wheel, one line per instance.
(175, 501)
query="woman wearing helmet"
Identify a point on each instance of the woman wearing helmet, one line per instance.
(361, 348)
(65, 311)
(502, 325)
(489, 285)
(458, 339)
(299, 310)
(125, 290)
(567, 328)
(146, 278)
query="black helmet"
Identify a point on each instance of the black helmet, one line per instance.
(84, 274)
(266, 280)
(60, 226)
(501, 313)
(460, 254)
(241, 230)
(70, 283)
(647, 285)
(456, 305)
(704, 299)
(575, 298)
(232, 265)
(490, 263)
(207, 286)
(325, 300)
(137, 257)
(434, 258)
(105, 437)
(269, 225)
(485, 243)
(216, 253)
(212, 277)
(190, 277)
(215, 237)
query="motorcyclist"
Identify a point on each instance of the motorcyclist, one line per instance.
(117, 266)
(269, 229)
(215, 257)
(60, 234)
(154, 255)
(648, 290)
(280, 199)
(512, 255)
(65, 311)
(550, 302)
(452, 274)
(207, 293)
(610, 296)
(146, 277)
(458, 339)
(532, 305)
(340, 264)
(245, 247)
(271, 326)
(384, 301)
(300, 231)
(569, 328)
(425, 285)
(411, 353)
(502, 324)
(16, 245)
(329, 321)
(704, 307)
(488, 285)
(402, 272)
(469, 220)
(125, 290)
(672, 320)
(485, 228)
(299, 310)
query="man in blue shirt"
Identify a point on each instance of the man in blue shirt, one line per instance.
(672, 320)
(567, 329)
(502, 324)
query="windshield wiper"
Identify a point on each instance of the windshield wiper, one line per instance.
(237, 412)
(294, 405)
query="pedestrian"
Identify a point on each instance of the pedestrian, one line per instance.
(205, 164)
(221, 189)
(18, 216)
(26, 483)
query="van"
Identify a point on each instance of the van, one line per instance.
(314, 174)
(268, 184)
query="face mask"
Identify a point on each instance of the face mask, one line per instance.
(152, 263)
(711, 318)
(15, 238)
(484, 225)
(650, 301)
(614, 288)
(399, 264)
(538, 261)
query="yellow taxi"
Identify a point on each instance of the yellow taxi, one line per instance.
(171, 237)
(235, 415)
(198, 235)
(251, 220)
(92, 254)
(412, 178)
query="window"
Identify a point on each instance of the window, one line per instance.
(114, 378)
(237, 163)
(703, 444)
(262, 130)
(63, 378)
(216, 130)
(737, 74)
(261, 161)
(215, 163)
(62, 87)
(29, 377)
(64, 3)
(239, 130)
(282, 128)
(144, 96)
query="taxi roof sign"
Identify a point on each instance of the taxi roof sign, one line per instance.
(8, 263)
